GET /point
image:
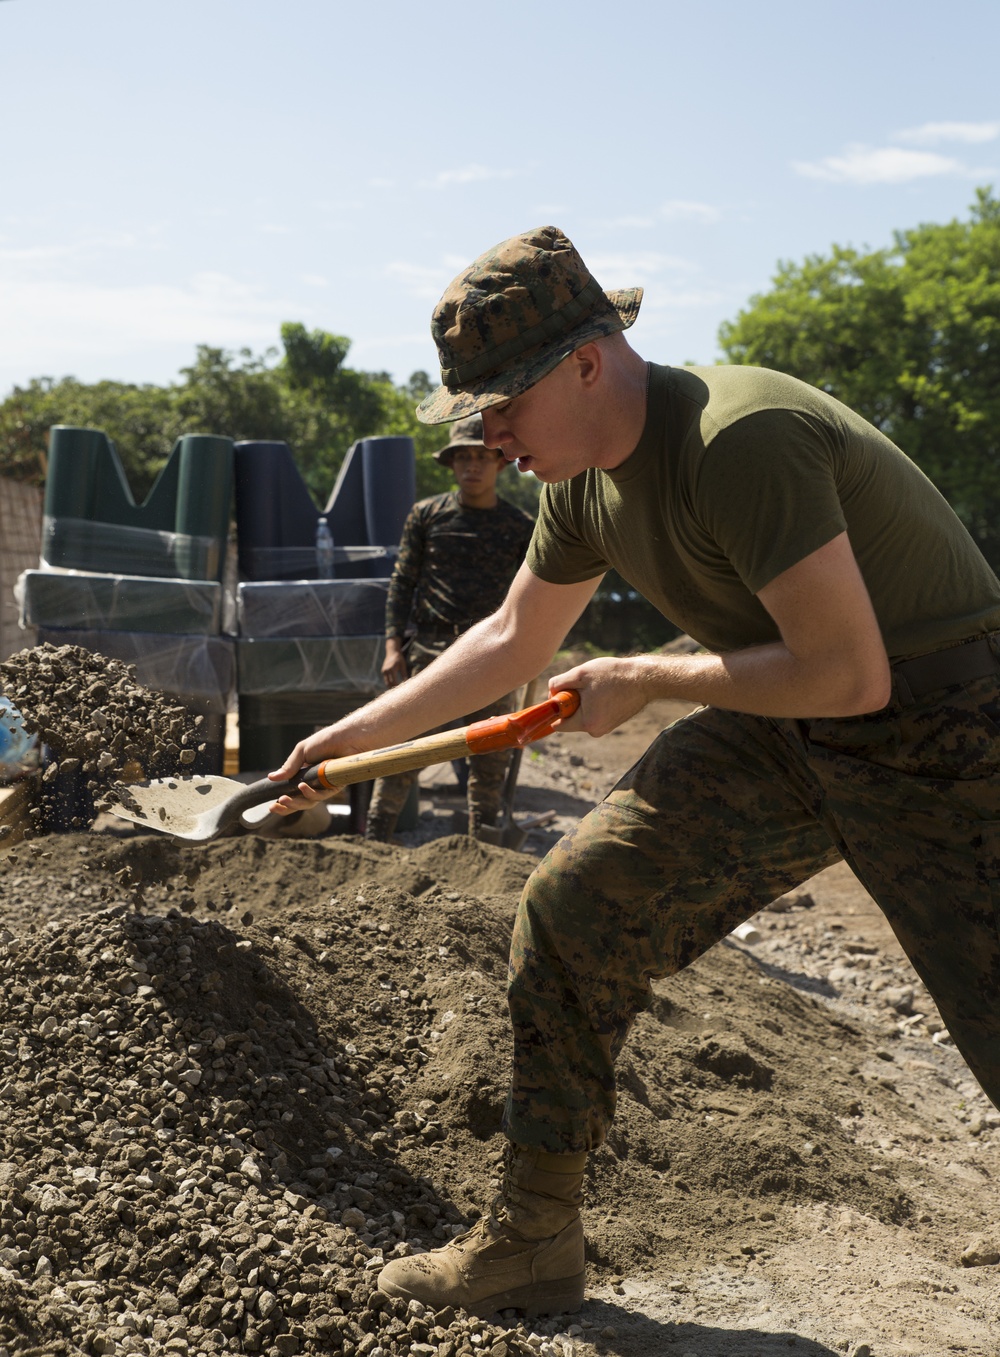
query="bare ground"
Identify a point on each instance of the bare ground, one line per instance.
(799, 1163)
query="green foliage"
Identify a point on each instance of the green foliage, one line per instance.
(143, 420)
(304, 395)
(909, 336)
(524, 491)
(618, 620)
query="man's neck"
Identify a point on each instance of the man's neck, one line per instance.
(623, 413)
(486, 499)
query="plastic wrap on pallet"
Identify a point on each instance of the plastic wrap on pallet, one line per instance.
(310, 664)
(80, 599)
(112, 548)
(198, 670)
(290, 564)
(312, 608)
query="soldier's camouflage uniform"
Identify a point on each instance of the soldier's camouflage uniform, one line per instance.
(723, 813)
(454, 568)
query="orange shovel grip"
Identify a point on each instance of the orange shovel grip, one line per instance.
(519, 728)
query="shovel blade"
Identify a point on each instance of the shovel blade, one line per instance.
(190, 808)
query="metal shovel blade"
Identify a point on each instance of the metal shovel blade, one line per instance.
(195, 808)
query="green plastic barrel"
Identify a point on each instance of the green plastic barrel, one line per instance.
(94, 523)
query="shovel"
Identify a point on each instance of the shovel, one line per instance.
(200, 808)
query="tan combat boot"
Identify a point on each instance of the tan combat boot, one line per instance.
(527, 1254)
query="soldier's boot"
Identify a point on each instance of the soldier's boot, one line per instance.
(379, 826)
(476, 821)
(482, 815)
(527, 1254)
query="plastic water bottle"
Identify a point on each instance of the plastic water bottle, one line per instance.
(324, 549)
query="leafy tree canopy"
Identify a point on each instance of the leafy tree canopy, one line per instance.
(909, 336)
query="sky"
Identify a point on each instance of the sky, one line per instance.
(184, 172)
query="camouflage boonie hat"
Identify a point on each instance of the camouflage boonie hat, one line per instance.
(514, 315)
(465, 433)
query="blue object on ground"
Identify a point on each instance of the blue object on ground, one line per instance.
(17, 745)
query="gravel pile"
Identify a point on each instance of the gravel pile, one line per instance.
(189, 1165)
(237, 1077)
(95, 713)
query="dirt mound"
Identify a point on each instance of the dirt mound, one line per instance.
(238, 1076)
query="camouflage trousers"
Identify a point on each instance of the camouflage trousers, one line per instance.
(722, 814)
(486, 771)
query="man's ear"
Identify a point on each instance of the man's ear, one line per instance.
(589, 362)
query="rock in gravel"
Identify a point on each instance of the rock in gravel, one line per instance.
(980, 1252)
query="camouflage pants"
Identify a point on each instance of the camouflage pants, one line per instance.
(486, 771)
(722, 814)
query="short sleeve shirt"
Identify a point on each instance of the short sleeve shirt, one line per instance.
(455, 564)
(739, 474)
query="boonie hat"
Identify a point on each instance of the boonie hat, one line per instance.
(514, 315)
(465, 433)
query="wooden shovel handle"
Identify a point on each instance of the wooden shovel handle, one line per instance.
(512, 731)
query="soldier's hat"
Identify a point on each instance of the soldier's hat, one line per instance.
(465, 433)
(512, 316)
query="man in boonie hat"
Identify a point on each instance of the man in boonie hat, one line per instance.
(847, 700)
(458, 555)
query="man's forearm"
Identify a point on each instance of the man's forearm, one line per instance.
(765, 680)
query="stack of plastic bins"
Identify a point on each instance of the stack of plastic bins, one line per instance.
(310, 650)
(140, 583)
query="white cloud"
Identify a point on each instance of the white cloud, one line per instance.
(676, 209)
(628, 269)
(627, 223)
(673, 299)
(879, 165)
(932, 134)
(76, 251)
(680, 209)
(471, 174)
(419, 280)
(50, 325)
(314, 280)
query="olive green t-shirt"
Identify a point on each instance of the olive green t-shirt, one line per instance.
(742, 472)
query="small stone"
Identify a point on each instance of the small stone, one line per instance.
(980, 1252)
(746, 932)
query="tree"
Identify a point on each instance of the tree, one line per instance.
(304, 395)
(909, 336)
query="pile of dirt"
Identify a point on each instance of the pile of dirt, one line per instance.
(240, 1075)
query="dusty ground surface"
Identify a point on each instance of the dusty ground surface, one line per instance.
(237, 1076)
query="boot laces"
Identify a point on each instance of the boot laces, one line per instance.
(488, 1227)
(502, 1208)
